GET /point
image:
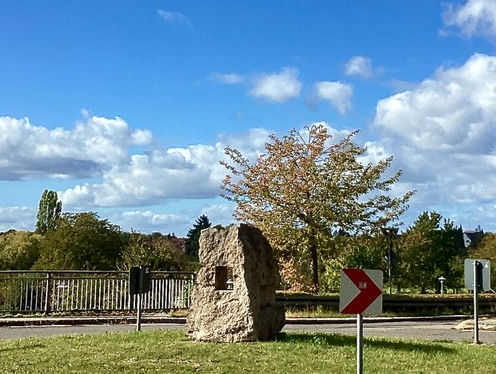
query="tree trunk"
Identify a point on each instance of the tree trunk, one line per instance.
(315, 267)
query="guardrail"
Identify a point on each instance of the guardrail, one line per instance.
(46, 291)
(65, 291)
(397, 304)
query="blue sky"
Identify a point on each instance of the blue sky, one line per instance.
(124, 108)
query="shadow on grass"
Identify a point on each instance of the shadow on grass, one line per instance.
(321, 339)
(22, 347)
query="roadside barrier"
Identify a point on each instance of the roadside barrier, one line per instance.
(47, 291)
(435, 304)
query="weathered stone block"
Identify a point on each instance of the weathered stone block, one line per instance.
(233, 298)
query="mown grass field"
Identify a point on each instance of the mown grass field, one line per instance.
(172, 352)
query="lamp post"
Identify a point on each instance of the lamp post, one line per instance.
(389, 233)
(442, 279)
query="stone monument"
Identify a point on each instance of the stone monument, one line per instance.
(233, 298)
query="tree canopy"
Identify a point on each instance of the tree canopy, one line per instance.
(427, 250)
(81, 241)
(193, 237)
(49, 211)
(159, 252)
(305, 187)
(18, 250)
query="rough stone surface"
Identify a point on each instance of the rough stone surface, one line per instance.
(248, 311)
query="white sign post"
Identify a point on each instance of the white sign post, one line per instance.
(477, 278)
(361, 293)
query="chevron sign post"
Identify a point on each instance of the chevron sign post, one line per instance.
(361, 293)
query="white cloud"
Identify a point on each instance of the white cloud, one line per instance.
(193, 172)
(475, 17)
(149, 221)
(18, 218)
(147, 178)
(174, 17)
(361, 66)
(219, 214)
(28, 151)
(443, 133)
(278, 87)
(337, 94)
(230, 78)
(454, 110)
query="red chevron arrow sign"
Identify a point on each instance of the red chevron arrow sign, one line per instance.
(361, 291)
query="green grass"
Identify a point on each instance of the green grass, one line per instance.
(172, 352)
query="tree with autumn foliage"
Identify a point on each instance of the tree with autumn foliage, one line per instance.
(305, 187)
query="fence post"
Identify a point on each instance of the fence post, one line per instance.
(47, 293)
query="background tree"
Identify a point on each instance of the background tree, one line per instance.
(49, 211)
(193, 237)
(429, 250)
(346, 251)
(303, 188)
(485, 248)
(19, 250)
(160, 252)
(81, 241)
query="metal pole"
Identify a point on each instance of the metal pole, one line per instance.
(476, 311)
(47, 293)
(359, 344)
(390, 264)
(138, 314)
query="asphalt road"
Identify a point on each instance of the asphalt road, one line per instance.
(434, 330)
(422, 330)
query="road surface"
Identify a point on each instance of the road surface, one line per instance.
(440, 330)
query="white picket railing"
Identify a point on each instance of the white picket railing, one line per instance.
(47, 291)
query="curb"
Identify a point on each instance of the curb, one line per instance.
(345, 320)
(73, 321)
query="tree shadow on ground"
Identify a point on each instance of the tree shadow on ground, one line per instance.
(21, 347)
(322, 339)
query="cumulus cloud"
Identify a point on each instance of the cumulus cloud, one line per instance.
(149, 221)
(443, 133)
(147, 178)
(475, 17)
(28, 151)
(174, 17)
(337, 94)
(18, 218)
(277, 87)
(192, 172)
(220, 213)
(359, 65)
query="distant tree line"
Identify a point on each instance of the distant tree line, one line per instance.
(426, 250)
(431, 247)
(83, 241)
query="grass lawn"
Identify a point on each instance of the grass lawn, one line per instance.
(172, 352)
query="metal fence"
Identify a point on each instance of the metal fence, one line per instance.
(80, 291)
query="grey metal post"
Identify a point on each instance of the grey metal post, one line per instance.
(138, 314)
(47, 293)
(389, 233)
(359, 344)
(389, 268)
(476, 309)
